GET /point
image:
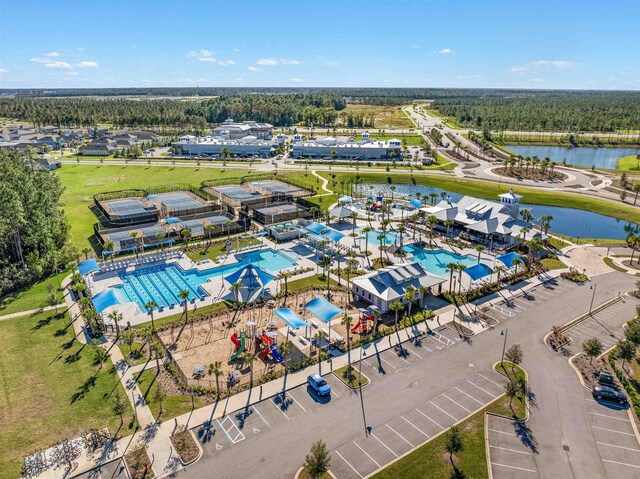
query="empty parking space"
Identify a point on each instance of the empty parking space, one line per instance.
(615, 439)
(511, 449)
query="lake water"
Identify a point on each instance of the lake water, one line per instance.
(583, 156)
(567, 221)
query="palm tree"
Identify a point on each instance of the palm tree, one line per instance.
(534, 246)
(109, 246)
(381, 238)
(396, 307)
(215, 369)
(633, 241)
(184, 296)
(432, 220)
(545, 223)
(346, 322)
(516, 262)
(424, 291)
(449, 225)
(526, 215)
(285, 348)
(186, 235)
(451, 267)
(150, 306)
(499, 270)
(157, 353)
(225, 152)
(479, 249)
(134, 235)
(116, 318)
(410, 296)
(284, 275)
(86, 251)
(249, 357)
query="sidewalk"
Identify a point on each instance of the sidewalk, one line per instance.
(31, 311)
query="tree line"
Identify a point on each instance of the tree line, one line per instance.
(280, 110)
(564, 112)
(33, 228)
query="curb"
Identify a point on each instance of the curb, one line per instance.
(355, 388)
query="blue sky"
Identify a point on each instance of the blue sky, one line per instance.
(403, 43)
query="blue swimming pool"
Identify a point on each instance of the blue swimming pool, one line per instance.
(435, 261)
(390, 237)
(163, 283)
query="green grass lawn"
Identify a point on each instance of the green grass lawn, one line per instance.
(553, 263)
(472, 461)
(136, 355)
(315, 280)
(217, 249)
(33, 297)
(629, 163)
(50, 388)
(352, 380)
(409, 139)
(172, 405)
(557, 242)
(213, 309)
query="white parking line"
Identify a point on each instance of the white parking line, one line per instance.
(610, 417)
(386, 362)
(456, 403)
(468, 395)
(367, 454)
(347, 462)
(388, 448)
(452, 417)
(621, 463)
(484, 377)
(261, 416)
(510, 450)
(279, 409)
(481, 389)
(415, 427)
(512, 467)
(502, 432)
(613, 430)
(400, 435)
(619, 447)
(429, 418)
(296, 401)
(413, 352)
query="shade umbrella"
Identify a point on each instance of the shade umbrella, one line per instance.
(251, 278)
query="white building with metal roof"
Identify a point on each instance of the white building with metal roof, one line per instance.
(386, 285)
(365, 149)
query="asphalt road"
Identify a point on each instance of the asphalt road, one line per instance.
(412, 396)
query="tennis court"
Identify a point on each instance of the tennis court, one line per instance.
(278, 187)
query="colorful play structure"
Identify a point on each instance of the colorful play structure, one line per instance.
(270, 348)
(240, 344)
(365, 321)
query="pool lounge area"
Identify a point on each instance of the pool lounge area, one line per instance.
(435, 261)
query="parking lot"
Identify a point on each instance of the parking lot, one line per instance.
(614, 437)
(385, 442)
(512, 449)
(605, 325)
(512, 305)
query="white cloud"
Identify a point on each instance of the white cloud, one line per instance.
(237, 50)
(206, 59)
(58, 65)
(88, 64)
(72, 74)
(290, 61)
(224, 63)
(2, 70)
(40, 60)
(296, 80)
(267, 61)
(80, 49)
(539, 65)
(52, 54)
(254, 69)
(445, 51)
(203, 52)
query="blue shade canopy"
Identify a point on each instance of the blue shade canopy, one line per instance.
(322, 309)
(152, 197)
(250, 276)
(88, 266)
(416, 203)
(103, 300)
(292, 319)
(507, 259)
(478, 271)
(172, 220)
(333, 235)
(315, 227)
(345, 199)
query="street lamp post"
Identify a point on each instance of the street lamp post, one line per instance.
(594, 286)
(504, 333)
(364, 419)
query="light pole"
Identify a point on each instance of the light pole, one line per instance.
(364, 419)
(504, 333)
(594, 286)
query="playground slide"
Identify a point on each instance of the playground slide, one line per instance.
(242, 345)
(357, 326)
(234, 340)
(276, 355)
(268, 342)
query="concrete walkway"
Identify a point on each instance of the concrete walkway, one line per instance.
(30, 312)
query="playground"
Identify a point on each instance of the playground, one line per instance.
(234, 337)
